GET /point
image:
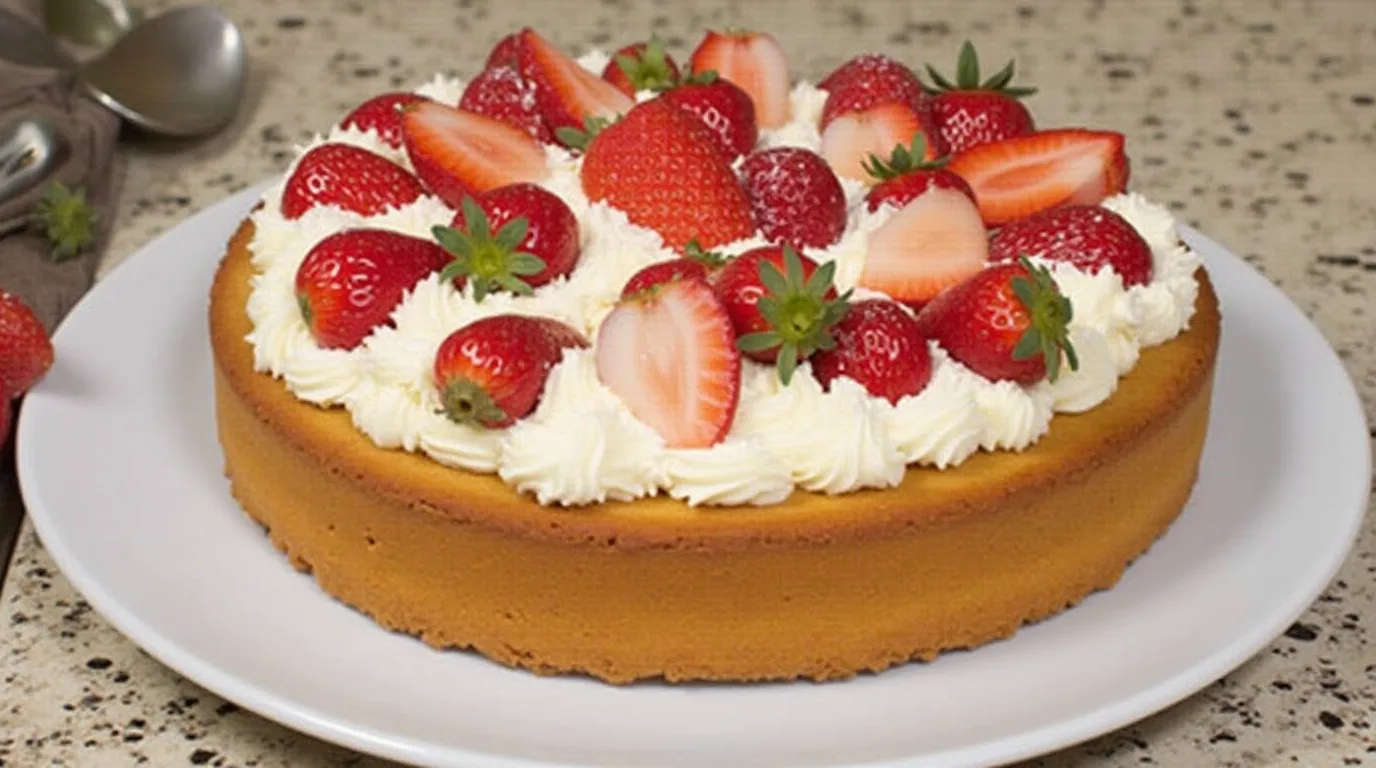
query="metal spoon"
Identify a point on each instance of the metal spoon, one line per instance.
(29, 150)
(88, 22)
(179, 74)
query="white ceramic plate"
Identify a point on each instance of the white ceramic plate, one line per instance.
(121, 472)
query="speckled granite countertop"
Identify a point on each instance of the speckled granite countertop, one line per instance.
(1256, 120)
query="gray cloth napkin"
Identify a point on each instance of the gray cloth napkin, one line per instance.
(26, 270)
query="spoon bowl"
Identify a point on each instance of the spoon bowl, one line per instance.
(179, 74)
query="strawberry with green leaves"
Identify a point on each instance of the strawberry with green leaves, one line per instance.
(1006, 323)
(879, 345)
(26, 352)
(490, 373)
(874, 104)
(905, 175)
(970, 112)
(782, 305)
(514, 238)
(694, 264)
(641, 67)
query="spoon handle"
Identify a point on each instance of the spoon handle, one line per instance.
(29, 150)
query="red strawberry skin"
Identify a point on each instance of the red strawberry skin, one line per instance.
(506, 53)
(1088, 237)
(754, 61)
(567, 93)
(353, 179)
(879, 345)
(661, 166)
(795, 197)
(970, 118)
(614, 74)
(979, 323)
(26, 352)
(553, 229)
(382, 114)
(351, 281)
(662, 272)
(725, 109)
(901, 190)
(870, 80)
(502, 94)
(738, 288)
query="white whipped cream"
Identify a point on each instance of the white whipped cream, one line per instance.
(582, 445)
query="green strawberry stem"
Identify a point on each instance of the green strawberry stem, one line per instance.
(1050, 313)
(695, 252)
(574, 138)
(798, 314)
(489, 262)
(66, 219)
(967, 76)
(903, 160)
(650, 69)
(466, 402)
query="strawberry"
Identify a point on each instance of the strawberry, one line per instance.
(755, 62)
(502, 94)
(26, 352)
(515, 238)
(506, 53)
(381, 114)
(695, 264)
(1005, 323)
(782, 305)
(867, 81)
(350, 282)
(669, 354)
(353, 179)
(934, 241)
(458, 153)
(1086, 236)
(850, 139)
(723, 107)
(567, 93)
(661, 166)
(905, 176)
(879, 345)
(491, 372)
(6, 418)
(1017, 177)
(969, 112)
(795, 197)
(641, 67)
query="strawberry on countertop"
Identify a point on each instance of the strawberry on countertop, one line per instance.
(502, 94)
(879, 345)
(723, 107)
(905, 175)
(491, 373)
(782, 305)
(1017, 177)
(628, 165)
(568, 94)
(970, 112)
(1089, 237)
(795, 197)
(641, 67)
(755, 62)
(458, 153)
(695, 264)
(382, 114)
(670, 355)
(512, 238)
(1006, 323)
(353, 179)
(26, 352)
(350, 282)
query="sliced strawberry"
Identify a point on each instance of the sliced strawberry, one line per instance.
(932, 243)
(850, 139)
(568, 94)
(755, 62)
(869, 81)
(879, 345)
(506, 53)
(795, 197)
(641, 67)
(458, 153)
(670, 355)
(695, 264)
(1089, 237)
(353, 179)
(501, 93)
(512, 238)
(723, 107)
(381, 114)
(26, 352)
(1018, 177)
(905, 175)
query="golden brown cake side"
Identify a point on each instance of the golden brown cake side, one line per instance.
(818, 587)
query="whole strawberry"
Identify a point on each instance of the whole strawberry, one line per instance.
(382, 114)
(695, 264)
(502, 94)
(723, 107)
(491, 372)
(1087, 236)
(795, 197)
(905, 176)
(26, 352)
(1006, 323)
(969, 112)
(782, 305)
(662, 167)
(353, 179)
(514, 238)
(879, 345)
(873, 105)
(350, 282)
(641, 67)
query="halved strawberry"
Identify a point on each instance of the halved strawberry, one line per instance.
(641, 67)
(754, 62)
(501, 93)
(850, 139)
(932, 243)
(867, 81)
(1018, 177)
(381, 114)
(1089, 237)
(458, 153)
(670, 355)
(353, 179)
(695, 264)
(567, 93)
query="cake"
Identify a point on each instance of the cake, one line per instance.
(703, 374)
